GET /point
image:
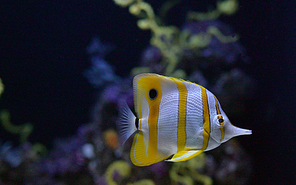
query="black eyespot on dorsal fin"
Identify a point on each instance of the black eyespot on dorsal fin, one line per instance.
(152, 94)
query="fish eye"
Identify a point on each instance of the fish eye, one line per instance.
(220, 119)
(152, 94)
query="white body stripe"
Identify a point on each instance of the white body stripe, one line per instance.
(213, 113)
(168, 119)
(213, 118)
(194, 117)
(144, 122)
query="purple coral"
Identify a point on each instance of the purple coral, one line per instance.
(230, 164)
(65, 157)
(226, 52)
(101, 72)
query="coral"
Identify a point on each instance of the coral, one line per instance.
(188, 172)
(120, 172)
(172, 42)
(227, 7)
(163, 36)
(124, 3)
(143, 182)
(117, 171)
(1, 87)
(111, 138)
(23, 130)
(11, 155)
(18, 164)
(229, 165)
(101, 73)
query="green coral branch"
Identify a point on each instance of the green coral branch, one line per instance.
(170, 40)
(23, 130)
(227, 7)
(38, 150)
(123, 169)
(120, 167)
(188, 172)
(163, 37)
(1, 87)
(143, 182)
(203, 39)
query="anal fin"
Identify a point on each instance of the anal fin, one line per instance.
(144, 153)
(184, 155)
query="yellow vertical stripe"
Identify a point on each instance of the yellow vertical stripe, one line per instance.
(152, 83)
(222, 129)
(206, 118)
(181, 141)
(217, 106)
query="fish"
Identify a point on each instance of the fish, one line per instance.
(175, 120)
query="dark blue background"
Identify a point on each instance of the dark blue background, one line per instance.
(43, 57)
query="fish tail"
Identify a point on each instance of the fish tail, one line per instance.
(126, 123)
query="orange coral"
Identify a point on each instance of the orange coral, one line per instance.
(111, 138)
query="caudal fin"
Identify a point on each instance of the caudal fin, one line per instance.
(126, 123)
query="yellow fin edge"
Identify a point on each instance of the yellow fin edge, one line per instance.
(185, 155)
